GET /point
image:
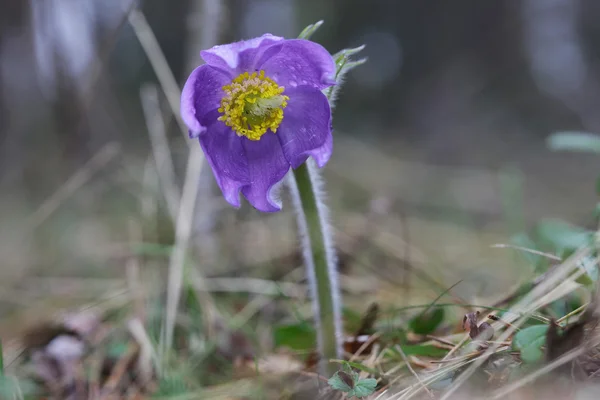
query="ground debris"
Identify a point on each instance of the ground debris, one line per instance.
(82, 357)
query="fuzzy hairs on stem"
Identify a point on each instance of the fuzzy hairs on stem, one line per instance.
(320, 259)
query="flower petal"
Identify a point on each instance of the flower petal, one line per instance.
(267, 167)
(239, 57)
(226, 155)
(299, 62)
(322, 154)
(306, 126)
(201, 96)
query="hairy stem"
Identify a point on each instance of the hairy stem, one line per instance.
(319, 256)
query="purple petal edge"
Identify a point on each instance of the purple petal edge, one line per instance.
(299, 62)
(306, 127)
(200, 97)
(241, 56)
(268, 167)
(226, 156)
(323, 153)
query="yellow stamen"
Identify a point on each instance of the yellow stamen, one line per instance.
(253, 103)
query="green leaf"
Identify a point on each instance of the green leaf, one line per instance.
(574, 141)
(426, 350)
(590, 266)
(340, 55)
(338, 384)
(533, 353)
(558, 307)
(426, 323)
(349, 65)
(344, 64)
(423, 350)
(562, 236)
(310, 30)
(585, 280)
(299, 336)
(359, 388)
(360, 367)
(526, 336)
(529, 342)
(363, 387)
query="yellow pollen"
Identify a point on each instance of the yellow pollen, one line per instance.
(253, 103)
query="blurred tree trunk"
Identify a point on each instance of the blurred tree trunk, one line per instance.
(62, 62)
(557, 58)
(13, 26)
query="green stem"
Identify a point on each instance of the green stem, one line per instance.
(319, 257)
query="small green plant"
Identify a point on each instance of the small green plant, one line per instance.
(348, 381)
(529, 342)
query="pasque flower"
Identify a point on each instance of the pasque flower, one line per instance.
(258, 109)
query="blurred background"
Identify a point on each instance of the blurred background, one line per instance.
(439, 145)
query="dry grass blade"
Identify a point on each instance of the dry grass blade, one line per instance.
(252, 285)
(441, 340)
(412, 371)
(120, 369)
(573, 354)
(525, 249)
(572, 313)
(364, 346)
(456, 347)
(185, 211)
(183, 231)
(413, 390)
(160, 147)
(159, 64)
(560, 276)
(147, 356)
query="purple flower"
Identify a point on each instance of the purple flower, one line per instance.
(258, 109)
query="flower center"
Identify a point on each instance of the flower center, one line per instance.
(252, 104)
